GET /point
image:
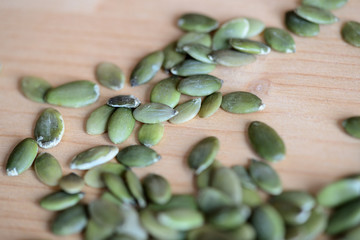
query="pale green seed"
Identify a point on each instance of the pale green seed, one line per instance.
(151, 134)
(316, 14)
(98, 120)
(120, 125)
(300, 26)
(117, 187)
(244, 177)
(187, 201)
(71, 183)
(157, 188)
(208, 233)
(110, 75)
(124, 101)
(203, 154)
(251, 197)
(351, 33)
(265, 177)
(196, 22)
(108, 196)
(134, 185)
(47, 169)
(229, 217)
(49, 128)
(225, 180)
(60, 200)
(193, 37)
(198, 52)
(93, 177)
(182, 219)
(132, 225)
(210, 200)
(255, 27)
(34, 88)
(21, 157)
(94, 231)
(244, 232)
(73, 94)
(137, 156)
(231, 58)
(210, 105)
(353, 234)
(105, 213)
(326, 4)
(153, 113)
(186, 111)
(70, 221)
(199, 85)
(192, 67)
(250, 46)
(203, 179)
(291, 215)
(165, 92)
(279, 40)
(352, 126)
(241, 102)
(171, 56)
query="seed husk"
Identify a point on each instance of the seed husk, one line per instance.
(251, 197)
(192, 67)
(225, 180)
(121, 124)
(265, 177)
(182, 219)
(231, 58)
(186, 111)
(351, 33)
(110, 75)
(94, 231)
(71, 183)
(137, 156)
(73, 94)
(229, 217)
(131, 226)
(255, 27)
(266, 142)
(187, 201)
(117, 187)
(250, 46)
(98, 120)
(171, 56)
(134, 185)
(70, 221)
(198, 52)
(203, 154)
(153, 113)
(93, 177)
(316, 14)
(165, 92)
(199, 85)
(210, 105)
(326, 4)
(60, 200)
(34, 88)
(279, 40)
(244, 177)
(300, 26)
(49, 128)
(21, 157)
(241, 102)
(124, 101)
(47, 169)
(196, 22)
(210, 199)
(105, 213)
(93, 157)
(193, 37)
(151, 134)
(157, 188)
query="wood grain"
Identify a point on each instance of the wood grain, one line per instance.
(307, 94)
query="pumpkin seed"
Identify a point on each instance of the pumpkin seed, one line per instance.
(121, 124)
(93, 177)
(300, 26)
(195, 22)
(255, 27)
(230, 217)
(124, 101)
(266, 142)
(151, 134)
(108, 196)
(71, 183)
(265, 177)
(279, 40)
(176, 201)
(210, 200)
(250, 46)
(199, 85)
(157, 188)
(34, 88)
(353, 234)
(110, 75)
(193, 37)
(147, 68)
(316, 14)
(326, 4)
(198, 52)
(47, 169)
(208, 233)
(241, 102)
(192, 67)
(60, 200)
(134, 185)
(105, 213)
(73, 94)
(154, 113)
(21, 157)
(182, 219)
(251, 197)
(137, 156)
(230, 58)
(94, 231)
(244, 177)
(210, 105)
(171, 56)
(70, 221)
(300, 199)
(244, 232)
(186, 111)
(224, 179)
(93, 157)
(203, 179)
(117, 187)
(203, 154)
(132, 226)
(165, 92)
(351, 33)
(98, 120)
(49, 128)
(291, 215)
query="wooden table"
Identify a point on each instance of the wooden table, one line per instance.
(307, 94)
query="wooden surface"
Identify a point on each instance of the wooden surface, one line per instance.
(307, 94)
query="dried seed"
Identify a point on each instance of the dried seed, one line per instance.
(198, 52)
(98, 120)
(71, 183)
(231, 58)
(326, 4)
(165, 92)
(279, 40)
(250, 46)
(199, 85)
(244, 177)
(121, 124)
(195, 22)
(210, 105)
(48, 169)
(241, 102)
(251, 197)
(193, 37)
(124, 101)
(186, 111)
(93, 177)
(351, 33)
(192, 67)
(291, 215)
(105, 213)
(157, 188)
(108, 196)
(132, 225)
(60, 200)
(182, 219)
(110, 75)
(94, 231)
(208, 233)
(225, 180)
(153, 113)
(203, 179)
(210, 200)
(316, 14)
(176, 201)
(151, 134)
(171, 56)
(70, 221)
(300, 26)
(229, 217)
(245, 231)
(117, 187)
(265, 177)
(203, 154)
(34, 88)
(255, 27)
(134, 185)
(137, 156)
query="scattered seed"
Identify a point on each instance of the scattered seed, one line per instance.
(121, 125)
(241, 102)
(193, 37)
(105, 213)
(210, 200)
(134, 185)
(110, 75)
(34, 88)
(47, 169)
(225, 180)
(210, 105)
(93, 177)
(351, 33)
(203, 179)
(251, 197)
(300, 26)
(60, 200)
(95, 231)
(171, 56)
(151, 134)
(98, 120)
(268, 223)
(230, 217)
(186, 111)
(195, 22)
(255, 27)
(198, 52)
(70, 221)
(326, 4)
(117, 187)
(279, 40)
(353, 234)
(132, 226)
(316, 14)
(250, 46)
(192, 67)
(265, 177)
(124, 101)
(137, 156)
(182, 219)
(157, 188)
(165, 92)
(186, 201)
(71, 183)
(199, 85)
(153, 113)
(231, 58)
(244, 177)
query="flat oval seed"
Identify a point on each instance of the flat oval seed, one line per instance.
(208, 233)
(134, 185)
(124, 101)
(93, 177)
(153, 113)
(229, 217)
(157, 188)
(121, 124)
(279, 40)
(203, 179)
(187, 201)
(98, 120)
(244, 177)
(95, 231)
(49, 128)
(326, 4)
(241, 102)
(21, 157)
(60, 200)
(151, 134)
(198, 52)
(265, 177)
(210, 200)
(108, 196)
(225, 180)
(93, 157)
(196, 22)
(210, 105)
(250, 46)
(171, 56)
(199, 85)
(165, 92)
(192, 67)
(71, 183)
(34, 88)
(244, 232)
(266, 142)
(300, 199)
(132, 225)
(193, 37)
(352, 126)
(110, 75)
(117, 187)
(182, 219)
(316, 14)
(230, 58)
(137, 156)
(300, 26)
(186, 111)
(105, 213)
(351, 33)
(255, 27)
(48, 169)
(203, 154)
(73, 94)
(251, 197)
(70, 221)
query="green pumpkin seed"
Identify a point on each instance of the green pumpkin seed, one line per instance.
(73, 94)
(210, 200)
(208, 233)
(124, 101)
(98, 120)
(47, 169)
(153, 113)
(265, 177)
(224, 179)
(268, 223)
(71, 183)
(34, 88)
(165, 92)
(137, 156)
(187, 201)
(132, 226)
(351, 33)
(244, 177)
(326, 4)
(93, 177)
(353, 234)
(250, 46)
(172, 57)
(108, 196)
(151, 134)
(157, 188)
(352, 126)
(49, 128)
(105, 213)
(110, 75)
(121, 124)
(279, 40)
(291, 215)
(60, 200)
(198, 52)
(147, 68)
(203, 179)
(230, 217)
(300, 26)
(70, 221)
(117, 187)
(93, 157)
(235, 28)
(230, 58)
(203, 154)
(195, 22)
(244, 232)
(192, 67)
(21, 157)
(134, 185)
(266, 142)
(95, 231)
(182, 219)
(210, 105)
(199, 85)
(316, 14)
(251, 197)
(241, 102)
(186, 111)
(193, 37)
(255, 27)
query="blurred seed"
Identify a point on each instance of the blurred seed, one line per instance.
(279, 40)
(98, 120)
(70, 221)
(203, 179)
(196, 22)
(326, 4)
(210, 105)
(241, 102)
(316, 14)
(351, 33)
(120, 125)
(250, 46)
(186, 111)
(244, 177)
(244, 232)
(352, 126)
(132, 226)
(231, 58)
(34, 88)
(157, 188)
(151, 134)
(198, 52)
(171, 56)
(153, 113)
(71, 183)
(300, 26)
(93, 177)
(105, 213)
(251, 197)
(203, 154)
(134, 185)
(117, 187)
(108, 196)
(60, 200)
(47, 169)
(191, 67)
(182, 219)
(208, 233)
(265, 177)
(94, 231)
(165, 92)
(137, 156)
(110, 75)
(193, 37)
(255, 27)
(353, 234)
(199, 85)
(124, 101)
(210, 200)
(225, 180)
(186, 201)
(229, 217)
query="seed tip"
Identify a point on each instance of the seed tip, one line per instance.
(12, 172)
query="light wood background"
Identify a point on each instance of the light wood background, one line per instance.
(307, 94)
